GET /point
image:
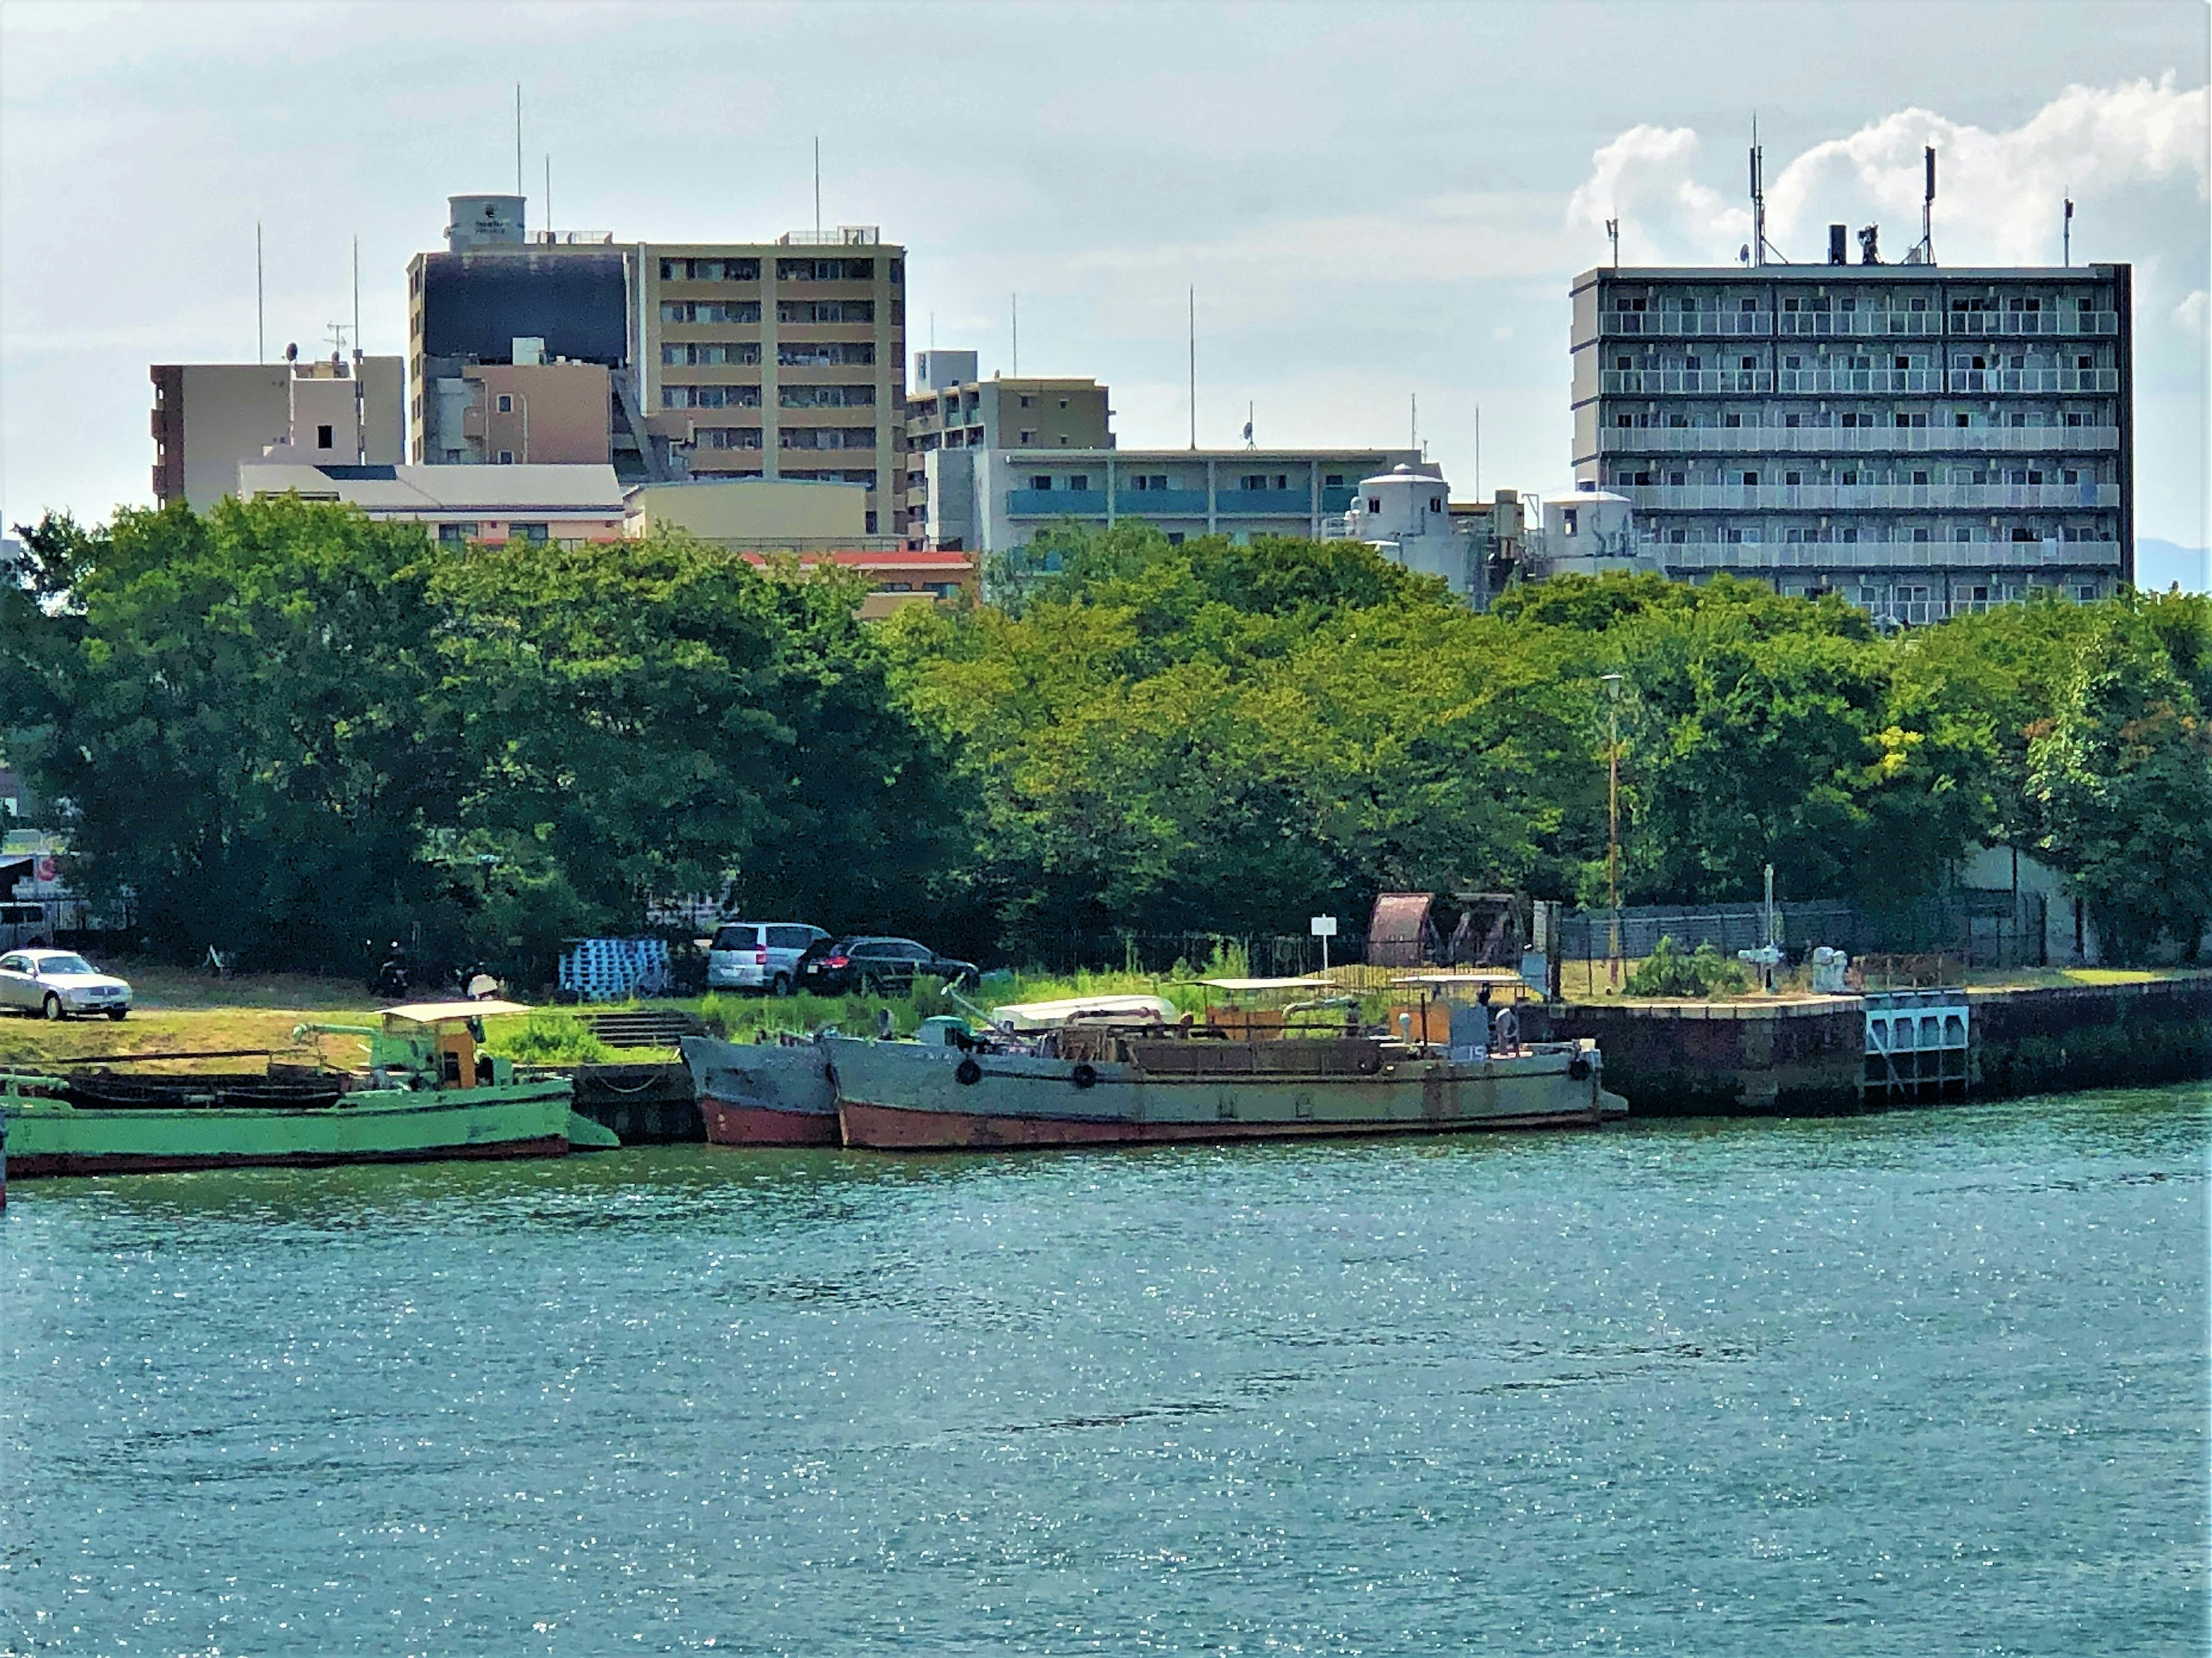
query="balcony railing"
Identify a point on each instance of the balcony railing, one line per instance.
(2090, 555)
(1686, 324)
(1864, 497)
(1160, 503)
(1832, 380)
(2061, 320)
(1858, 324)
(2035, 380)
(1055, 503)
(1855, 440)
(1652, 382)
(1275, 503)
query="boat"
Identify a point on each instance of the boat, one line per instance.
(425, 1093)
(780, 1090)
(1310, 1069)
(765, 1093)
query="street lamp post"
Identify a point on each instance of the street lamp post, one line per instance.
(1612, 823)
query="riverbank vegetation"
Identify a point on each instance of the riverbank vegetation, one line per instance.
(297, 735)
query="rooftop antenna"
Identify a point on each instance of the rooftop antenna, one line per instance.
(1758, 199)
(1014, 306)
(2066, 235)
(1248, 426)
(1928, 212)
(546, 210)
(261, 302)
(356, 296)
(1613, 235)
(1193, 366)
(818, 186)
(517, 138)
(1413, 419)
(1477, 452)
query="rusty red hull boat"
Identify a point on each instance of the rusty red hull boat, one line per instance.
(763, 1093)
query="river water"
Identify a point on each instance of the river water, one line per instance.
(1927, 1382)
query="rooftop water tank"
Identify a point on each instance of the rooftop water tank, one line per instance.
(482, 222)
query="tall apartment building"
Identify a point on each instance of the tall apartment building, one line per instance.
(1923, 440)
(727, 359)
(999, 459)
(210, 417)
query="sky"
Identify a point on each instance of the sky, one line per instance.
(1381, 207)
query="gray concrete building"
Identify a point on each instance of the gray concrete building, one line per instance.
(991, 462)
(1924, 441)
(727, 359)
(210, 417)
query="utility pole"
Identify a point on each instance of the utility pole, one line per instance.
(1612, 823)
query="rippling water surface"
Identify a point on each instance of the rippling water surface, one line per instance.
(1929, 1382)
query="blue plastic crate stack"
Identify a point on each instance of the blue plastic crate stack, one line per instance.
(611, 969)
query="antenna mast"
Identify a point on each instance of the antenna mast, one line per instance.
(818, 186)
(2066, 235)
(1014, 310)
(356, 296)
(1193, 366)
(1758, 200)
(1928, 212)
(517, 138)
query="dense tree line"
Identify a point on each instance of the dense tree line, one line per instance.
(286, 729)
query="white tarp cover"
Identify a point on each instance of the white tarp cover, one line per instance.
(1050, 1015)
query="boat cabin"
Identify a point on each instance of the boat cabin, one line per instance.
(439, 1040)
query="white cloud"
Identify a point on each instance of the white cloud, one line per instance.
(2190, 315)
(1998, 193)
(1644, 180)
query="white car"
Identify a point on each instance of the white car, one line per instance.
(58, 984)
(759, 955)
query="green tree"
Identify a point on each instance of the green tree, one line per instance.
(662, 718)
(227, 706)
(2123, 774)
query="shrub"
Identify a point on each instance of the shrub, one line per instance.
(544, 1038)
(1670, 970)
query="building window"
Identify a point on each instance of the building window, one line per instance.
(507, 457)
(1079, 480)
(453, 535)
(1040, 482)
(1174, 537)
(1028, 439)
(534, 534)
(506, 403)
(1751, 477)
(1731, 420)
(1025, 403)
(1920, 534)
(1334, 481)
(1253, 481)
(323, 438)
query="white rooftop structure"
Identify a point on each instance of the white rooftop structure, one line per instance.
(466, 503)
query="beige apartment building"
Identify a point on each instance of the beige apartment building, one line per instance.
(209, 417)
(952, 414)
(729, 360)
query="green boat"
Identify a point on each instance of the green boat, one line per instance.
(426, 1093)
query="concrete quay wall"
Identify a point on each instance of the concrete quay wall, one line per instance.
(1806, 1056)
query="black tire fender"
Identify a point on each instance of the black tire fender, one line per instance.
(968, 1074)
(1086, 1075)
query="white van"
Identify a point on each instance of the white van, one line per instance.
(759, 955)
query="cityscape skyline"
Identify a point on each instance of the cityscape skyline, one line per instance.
(1352, 251)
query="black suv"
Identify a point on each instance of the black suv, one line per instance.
(878, 966)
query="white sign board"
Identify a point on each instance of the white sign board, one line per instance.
(1324, 926)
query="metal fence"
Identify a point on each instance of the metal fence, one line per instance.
(1982, 929)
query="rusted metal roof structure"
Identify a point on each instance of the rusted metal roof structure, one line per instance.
(1399, 933)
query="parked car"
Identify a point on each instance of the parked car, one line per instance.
(879, 967)
(759, 955)
(58, 983)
